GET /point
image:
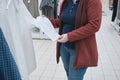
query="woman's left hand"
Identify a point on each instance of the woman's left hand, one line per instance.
(63, 38)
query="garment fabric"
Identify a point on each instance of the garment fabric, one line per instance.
(87, 23)
(32, 6)
(55, 8)
(68, 57)
(16, 23)
(49, 8)
(47, 2)
(8, 66)
(46, 26)
(48, 11)
(115, 6)
(118, 13)
(68, 19)
(58, 7)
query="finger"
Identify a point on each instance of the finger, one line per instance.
(59, 40)
(60, 37)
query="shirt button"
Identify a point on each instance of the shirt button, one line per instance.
(70, 10)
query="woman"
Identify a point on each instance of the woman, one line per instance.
(78, 22)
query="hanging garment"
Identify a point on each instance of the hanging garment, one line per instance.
(8, 67)
(48, 11)
(48, 8)
(32, 6)
(115, 5)
(46, 26)
(55, 8)
(47, 3)
(15, 22)
(118, 11)
(59, 2)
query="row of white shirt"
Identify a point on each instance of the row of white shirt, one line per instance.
(15, 22)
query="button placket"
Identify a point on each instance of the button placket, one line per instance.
(71, 8)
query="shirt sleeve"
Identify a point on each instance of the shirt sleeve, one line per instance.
(55, 22)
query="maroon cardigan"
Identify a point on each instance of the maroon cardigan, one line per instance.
(87, 23)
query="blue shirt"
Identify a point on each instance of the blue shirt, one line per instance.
(68, 18)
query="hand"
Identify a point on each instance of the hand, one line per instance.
(63, 38)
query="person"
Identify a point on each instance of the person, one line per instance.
(78, 22)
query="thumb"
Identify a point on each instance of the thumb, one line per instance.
(60, 37)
